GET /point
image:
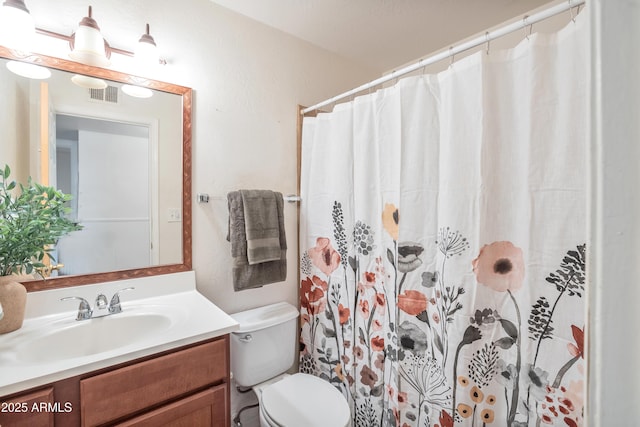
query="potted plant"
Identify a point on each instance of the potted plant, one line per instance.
(32, 219)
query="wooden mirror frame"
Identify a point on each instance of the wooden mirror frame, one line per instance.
(186, 93)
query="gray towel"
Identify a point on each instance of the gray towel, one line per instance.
(261, 225)
(246, 276)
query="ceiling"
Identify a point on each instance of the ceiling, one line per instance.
(382, 34)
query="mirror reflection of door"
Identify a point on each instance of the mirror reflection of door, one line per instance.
(104, 165)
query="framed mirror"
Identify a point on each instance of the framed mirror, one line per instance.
(126, 160)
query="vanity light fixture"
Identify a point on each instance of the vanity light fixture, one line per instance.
(17, 28)
(87, 44)
(147, 51)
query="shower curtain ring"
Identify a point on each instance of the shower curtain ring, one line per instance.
(488, 40)
(573, 16)
(525, 25)
(451, 56)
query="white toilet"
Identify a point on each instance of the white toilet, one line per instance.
(262, 350)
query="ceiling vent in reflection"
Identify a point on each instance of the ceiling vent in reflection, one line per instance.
(108, 94)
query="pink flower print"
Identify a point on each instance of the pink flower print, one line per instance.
(500, 266)
(358, 352)
(324, 256)
(364, 307)
(368, 377)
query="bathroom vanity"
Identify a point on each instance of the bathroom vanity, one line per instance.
(174, 371)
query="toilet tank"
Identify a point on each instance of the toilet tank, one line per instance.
(265, 345)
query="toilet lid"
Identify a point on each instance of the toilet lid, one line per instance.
(305, 400)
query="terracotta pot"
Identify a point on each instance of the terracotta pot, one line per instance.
(13, 297)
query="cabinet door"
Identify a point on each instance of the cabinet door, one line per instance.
(121, 392)
(204, 409)
(33, 409)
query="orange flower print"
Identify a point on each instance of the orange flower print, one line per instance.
(338, 371)
(465, 411)
(344, 314)
(500, 266)
(476, 394)
(463, 381)
(377, 343)
(487, 415)
(412, 302)
(377, 325)
(390, 220)
(312, 295)
(324, 256)
(369, 277)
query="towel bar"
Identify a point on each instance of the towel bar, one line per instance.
(204, 198)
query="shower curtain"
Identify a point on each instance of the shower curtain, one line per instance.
(443, 240)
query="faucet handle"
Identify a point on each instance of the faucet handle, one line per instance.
(84, 309)
(114, 306)
(101, 301)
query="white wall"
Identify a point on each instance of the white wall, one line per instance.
(248, 80)
(614, 264)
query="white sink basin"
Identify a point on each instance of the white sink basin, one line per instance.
(88, 337)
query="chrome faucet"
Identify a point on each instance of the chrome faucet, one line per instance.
(100, 308)
(84, 309)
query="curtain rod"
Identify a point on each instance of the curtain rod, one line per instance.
(454, 50)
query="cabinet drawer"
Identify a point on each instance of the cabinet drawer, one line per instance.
(113, 395)
(33, 409)
(204, 409)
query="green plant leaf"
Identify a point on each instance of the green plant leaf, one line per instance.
(31, 222)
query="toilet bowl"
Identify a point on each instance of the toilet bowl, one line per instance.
(302, 400)
(263, 349)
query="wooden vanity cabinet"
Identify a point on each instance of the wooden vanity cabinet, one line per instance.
(24, 410)
(188, 386)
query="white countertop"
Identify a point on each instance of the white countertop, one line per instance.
(192, 317)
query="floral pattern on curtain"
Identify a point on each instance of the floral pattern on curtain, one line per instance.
(494, 374)
(443, 243)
